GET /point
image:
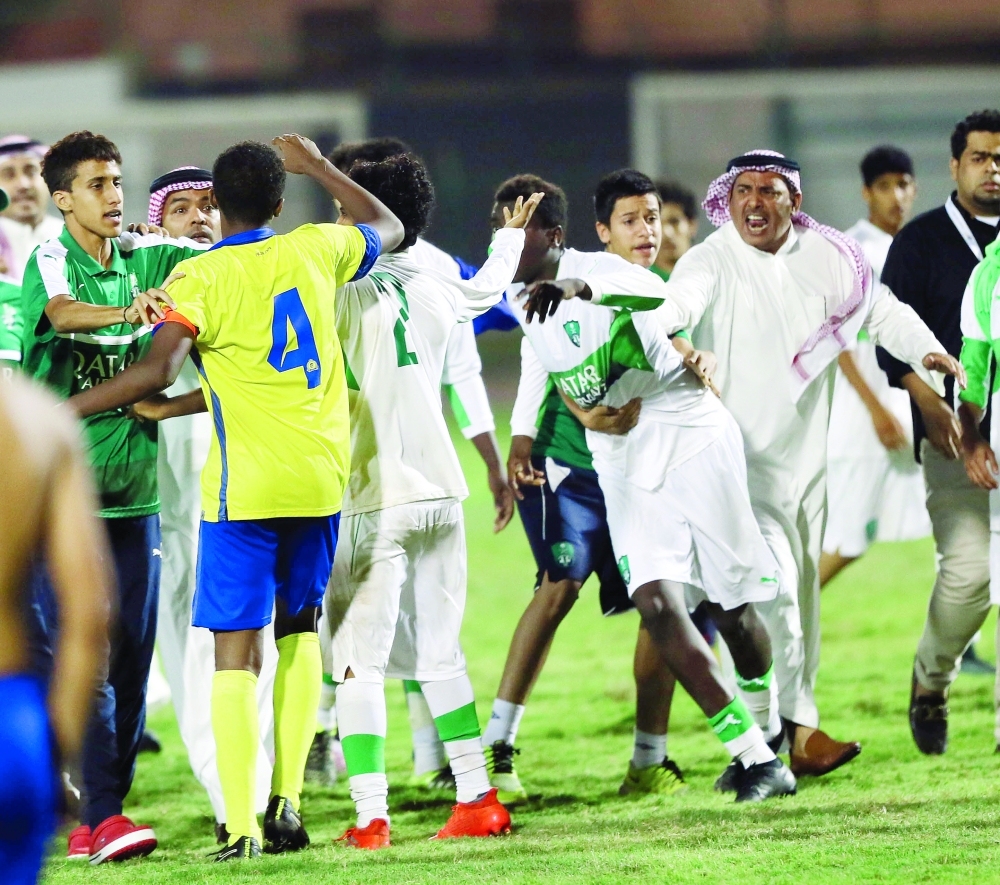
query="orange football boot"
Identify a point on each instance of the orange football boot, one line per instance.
(484, 817)
(372, 837)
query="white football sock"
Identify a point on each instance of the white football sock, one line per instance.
(648, 749)
(504, 722)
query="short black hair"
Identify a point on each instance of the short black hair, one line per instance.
(371, 150)
(551, 212)
(987, 120)
(402, 183)
(882, 160)
(674, 192)
(616, 186)
(249, 181)
(59, 164)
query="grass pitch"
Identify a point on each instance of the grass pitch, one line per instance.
(890, 816)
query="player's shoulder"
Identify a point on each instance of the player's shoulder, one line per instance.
(326, 232)
(576, 263)
(428, 255)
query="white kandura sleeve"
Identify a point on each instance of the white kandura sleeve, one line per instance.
(531, 387)
(462, 380)
(897, 327)
(486, 288)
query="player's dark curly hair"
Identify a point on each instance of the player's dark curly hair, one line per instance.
(616, 186)
(249, 182)
(987, 120)
(551, 212)
(371, 150)
(675, 192)
(59, 164)
(883, 160)
(402, 183)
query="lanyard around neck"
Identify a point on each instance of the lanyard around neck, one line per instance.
(958, 219)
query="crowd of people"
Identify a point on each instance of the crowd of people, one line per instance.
(231, 444)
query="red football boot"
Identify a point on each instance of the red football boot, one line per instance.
(484, 817)
(117, 838)
(372, 837)
(79, 844)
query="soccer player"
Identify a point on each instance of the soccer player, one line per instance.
(783, 340)
(397, 594)
(682, 528)
(25, 223)
(463, 385)
(874, 487)
(276, 471)
(85, 312)
(47, 505)
(560, 501)
(181, 203)
(679, 222)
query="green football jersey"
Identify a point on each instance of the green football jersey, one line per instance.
(10, 327)
(122, 450)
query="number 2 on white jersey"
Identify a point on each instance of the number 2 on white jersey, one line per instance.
(288, 308)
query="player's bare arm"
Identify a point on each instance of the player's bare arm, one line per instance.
(302, 157)
(66, 314)
(606, 419)
(160, 407)
(153, 374)
(544, 297)
(943, 429)
(503, 498)
(890, 431)
(980, 460)
(520, 471)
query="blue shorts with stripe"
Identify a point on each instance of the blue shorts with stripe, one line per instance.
(244, 564)
(29, 782)
(567, 529)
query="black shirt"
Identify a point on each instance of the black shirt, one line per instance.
(928, 267)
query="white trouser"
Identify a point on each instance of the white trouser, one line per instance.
(188, 653)
(396, 598)
(791, 514)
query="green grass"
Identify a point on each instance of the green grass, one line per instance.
(890, 816)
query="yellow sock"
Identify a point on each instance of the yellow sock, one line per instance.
(297, 684)
(234, 725)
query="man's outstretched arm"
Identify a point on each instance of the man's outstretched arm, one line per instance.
(154, 373)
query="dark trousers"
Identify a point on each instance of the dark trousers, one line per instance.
(119, 715)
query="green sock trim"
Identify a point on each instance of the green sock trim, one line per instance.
(411, 686)
(328, 679)
(364, 753)
(458, 725)
(731, 721)
(761, 683)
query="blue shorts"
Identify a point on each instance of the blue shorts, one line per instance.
(29, 784)
(244, 564)
(567, 529)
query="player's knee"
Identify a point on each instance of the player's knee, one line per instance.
(557, 598)
(658, 605)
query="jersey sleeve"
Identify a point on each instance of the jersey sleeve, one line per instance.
(977, 354)
(348, 251)
(10, 323)
(478, 294)
(531, 388)
(463, 383)
(44, 279)
(192, 308)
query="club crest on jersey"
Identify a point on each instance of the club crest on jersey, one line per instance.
(624, 569)
(573, 331)
(564, 553)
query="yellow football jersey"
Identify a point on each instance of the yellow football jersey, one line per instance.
(272, 369)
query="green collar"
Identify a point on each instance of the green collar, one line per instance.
(660, 272)
(86, 262)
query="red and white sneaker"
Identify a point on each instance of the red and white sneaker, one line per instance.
(372, 837)
(117, 838)
(484, 817)
(79, 844)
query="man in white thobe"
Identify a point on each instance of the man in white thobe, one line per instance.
(777, 297)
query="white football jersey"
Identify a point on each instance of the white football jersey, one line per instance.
(394, 325)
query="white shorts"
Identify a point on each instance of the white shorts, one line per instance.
(872, 499)
(696, 528)
(396, 597)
